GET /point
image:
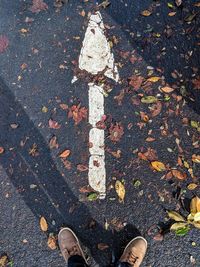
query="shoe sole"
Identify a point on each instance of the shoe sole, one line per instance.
(138, 237)
(78, 243)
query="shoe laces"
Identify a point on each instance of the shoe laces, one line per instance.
(131, 258)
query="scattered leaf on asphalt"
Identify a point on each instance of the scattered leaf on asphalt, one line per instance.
(1, 150)
(158, 166)
(52, 242)
(102, 246)
(38, 5)
(43, 224)
(167, 89)
(136, 81)
(67, 164)
(178, 2)
(3, 43)
(179, 175)
(196, 158)
(153, 79)
(197, 217)
(175, 216)
(156, 109)
(177, 226)
(182, 231)
(195, 205)
(65, 153)
(78, 113)
(92, 196)
(149, 99)
(82, 168)
(53, 142)
(116, 131)
(120, 190)
(146, 13)
(192, 186)
(3, 260)
(54, 124)
(14, 125)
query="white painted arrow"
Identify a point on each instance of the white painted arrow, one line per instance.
(96, 57)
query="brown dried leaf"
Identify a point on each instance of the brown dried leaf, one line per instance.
(179, 175)
(196, 158)
(195, 205)
(78, 113)
(53, 142)
(54, 124)
(82, 168)
(43, 224)
(116, 131)
(67, 164)
(175, 216)
(136, 82)
(3, 43)
(64, 106)
(156, 109)
(52, 242)
(65, 153)
(38, 5)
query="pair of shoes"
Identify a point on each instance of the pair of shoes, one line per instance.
(133, 253)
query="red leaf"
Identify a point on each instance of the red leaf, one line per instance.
(116, 132)
(78, 113)
(54, 124)
(82, 168)
(3, 43)
(38, 5)
(136, 82)
(156, 109)
(196, 83)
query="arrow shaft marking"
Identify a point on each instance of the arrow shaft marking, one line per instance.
(95, 57)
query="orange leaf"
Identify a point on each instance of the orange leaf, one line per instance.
(65, 154)
(51, 242)
(179, 175)
(196, 158)
(43, 224)
(167, 89)
(158, 166)
(146, 13)
(1, 150)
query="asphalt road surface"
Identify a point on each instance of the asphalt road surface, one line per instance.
(38, 59)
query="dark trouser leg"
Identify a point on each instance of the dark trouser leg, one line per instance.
(76, 261)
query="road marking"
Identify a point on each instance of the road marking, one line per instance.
(95, 57)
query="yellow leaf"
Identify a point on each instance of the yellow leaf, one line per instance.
(171, 14)
(197, 217)
(65, 154)
(153, 79)
(43, 224)
(196, 158)
(120, 190)
(197, 225)
(190, 217)
(192, 186)
(195, 205)
(3, 261)
(146, 13)
(175, 216)
(177, 226)
(167, 89)
(158, 166)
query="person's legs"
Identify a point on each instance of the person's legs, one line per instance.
(134, 253)
(71, 249)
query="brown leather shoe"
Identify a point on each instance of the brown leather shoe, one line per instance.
(135, 251)
(69, 244)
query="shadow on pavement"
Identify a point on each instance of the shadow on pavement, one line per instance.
(52, 198)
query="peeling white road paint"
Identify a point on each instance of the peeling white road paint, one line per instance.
(96, 57)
